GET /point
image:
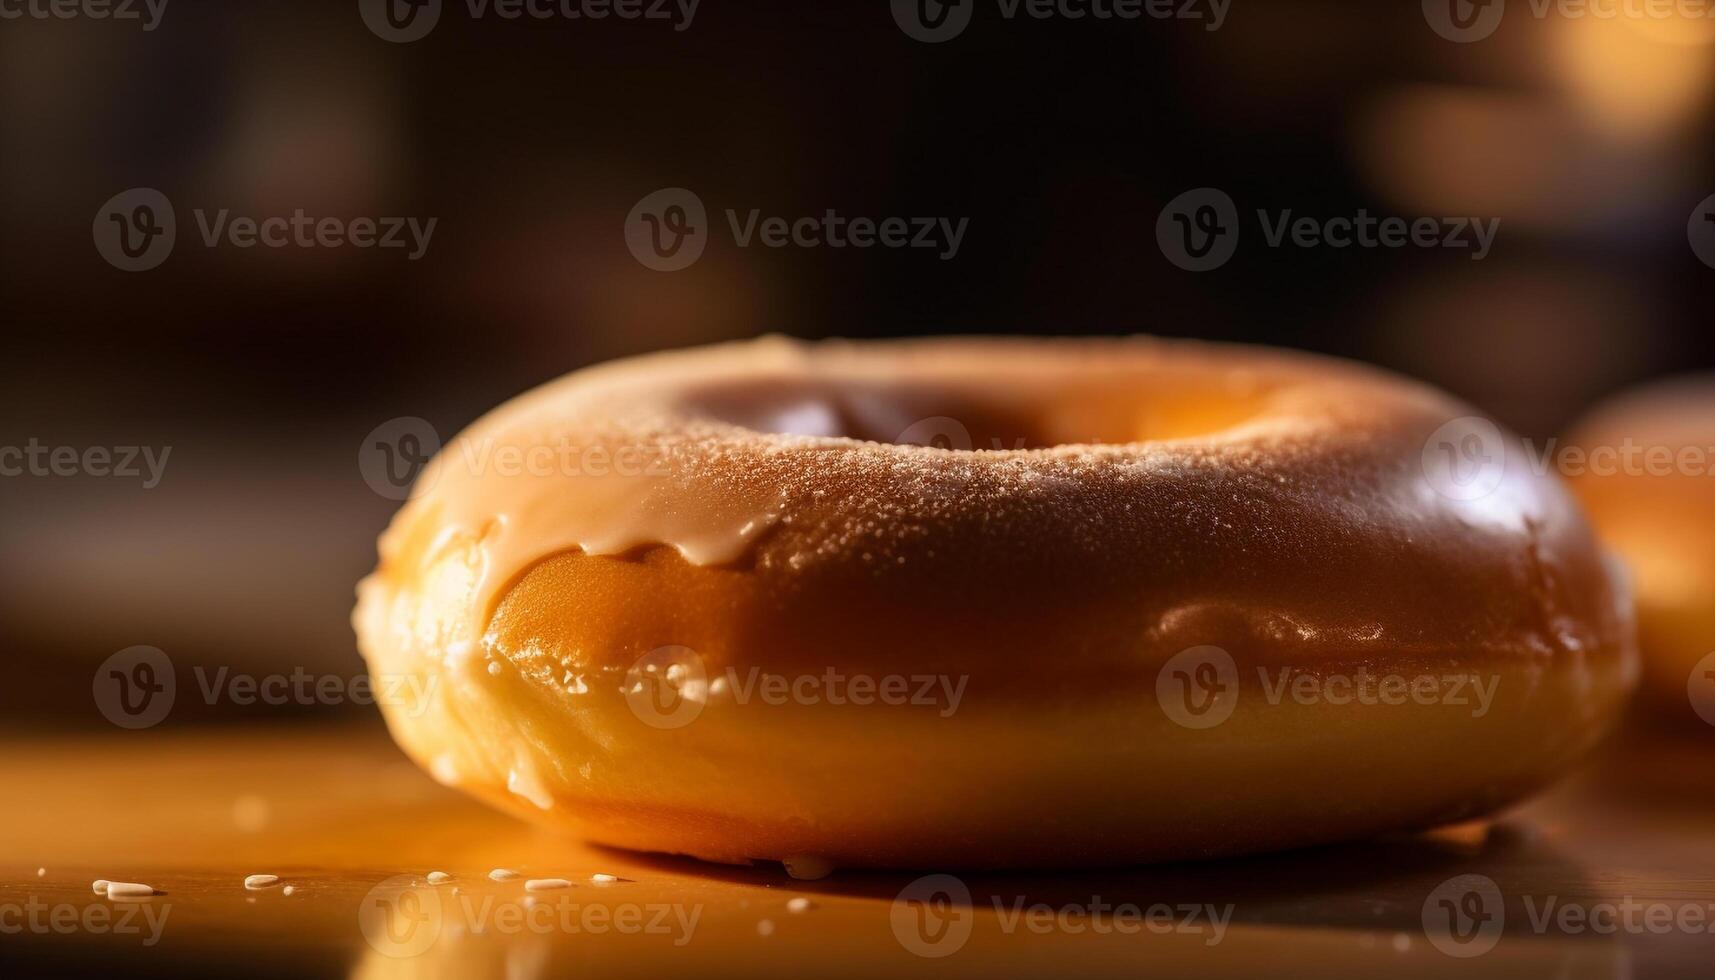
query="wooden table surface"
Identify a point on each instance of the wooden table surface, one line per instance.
(1584, 878)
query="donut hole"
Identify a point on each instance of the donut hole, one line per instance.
(977, 415)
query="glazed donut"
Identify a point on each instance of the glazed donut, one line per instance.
(1645, 471)
(986, 604)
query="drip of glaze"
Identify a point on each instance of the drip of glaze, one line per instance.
(534, 479)
(524, 781)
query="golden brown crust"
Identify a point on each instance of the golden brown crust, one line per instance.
(1277, 509)
(1643, 471)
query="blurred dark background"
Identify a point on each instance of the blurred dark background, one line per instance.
(530, 141)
